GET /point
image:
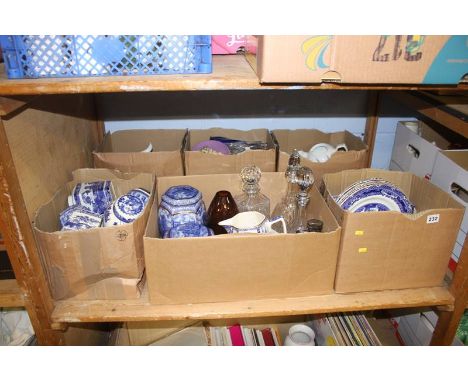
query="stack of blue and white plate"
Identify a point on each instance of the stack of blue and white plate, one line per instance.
(374, 194)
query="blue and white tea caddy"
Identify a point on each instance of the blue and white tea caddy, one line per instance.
(180, 205)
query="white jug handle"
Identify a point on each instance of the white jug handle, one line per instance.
(341, 147)
(277, 219)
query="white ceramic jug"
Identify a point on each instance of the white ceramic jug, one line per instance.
(321, 152)
(251, 222)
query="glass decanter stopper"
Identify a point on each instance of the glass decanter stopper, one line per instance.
(252, 199)
(287, 206)
(304, 179)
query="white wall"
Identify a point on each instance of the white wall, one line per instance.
(324, 110)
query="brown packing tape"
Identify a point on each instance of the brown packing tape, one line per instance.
(98, 262)
(197, 163)
(390, 250)
(233, 267)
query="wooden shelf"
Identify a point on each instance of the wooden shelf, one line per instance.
(454, 116)
(143, 310)
(11, 294)
(230, 72)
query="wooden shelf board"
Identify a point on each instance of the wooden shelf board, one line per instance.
(11, 294)
(230, 72)
(142, 310)
(419, 102)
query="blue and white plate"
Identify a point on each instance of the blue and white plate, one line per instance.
(374, 195)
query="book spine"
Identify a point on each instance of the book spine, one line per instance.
(268, 337)
(236, 335)
(260, 337)
(336, 332)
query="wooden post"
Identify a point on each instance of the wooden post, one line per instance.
(371, 123)
(447, 323)
(22, 250)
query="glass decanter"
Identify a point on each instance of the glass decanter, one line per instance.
(304, 179)
(287, 206)
(252, 199)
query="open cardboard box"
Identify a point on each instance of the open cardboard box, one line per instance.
(122, 150)
(416, 152)
(98, 263)
(305, 139)
(391, 250)
(408, 59)
(239, 267)
(198, 163)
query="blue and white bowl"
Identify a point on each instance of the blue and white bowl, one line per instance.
(95, 196)
(78, 217)
(188, 230)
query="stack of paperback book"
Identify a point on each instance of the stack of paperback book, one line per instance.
(238, 335)
(344, 330)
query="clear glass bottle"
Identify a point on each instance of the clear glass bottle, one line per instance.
(287, 206)
(252, 199)
(304, 179)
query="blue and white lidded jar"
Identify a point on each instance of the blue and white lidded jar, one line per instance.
(124, 210)
(180, 205)
(188, 230)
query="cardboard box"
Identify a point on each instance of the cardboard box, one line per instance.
(98, 263)
(239, 267)
(451, 174)
(121, 150)
(408, 59)
(417, 328)
(198, 163)
(416, 153)
(145, 333)
(391, 250)
(304, 139)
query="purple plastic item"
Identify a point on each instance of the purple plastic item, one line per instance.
(213, 145)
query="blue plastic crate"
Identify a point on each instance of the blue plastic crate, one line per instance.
(109, 55)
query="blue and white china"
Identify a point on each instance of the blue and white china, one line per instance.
(140, 193)
(181, 196)
(96, 196)
(180, 205)
(374, 195)
(78, 217)
(127, 208)
(252, 222)
(189, 230)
